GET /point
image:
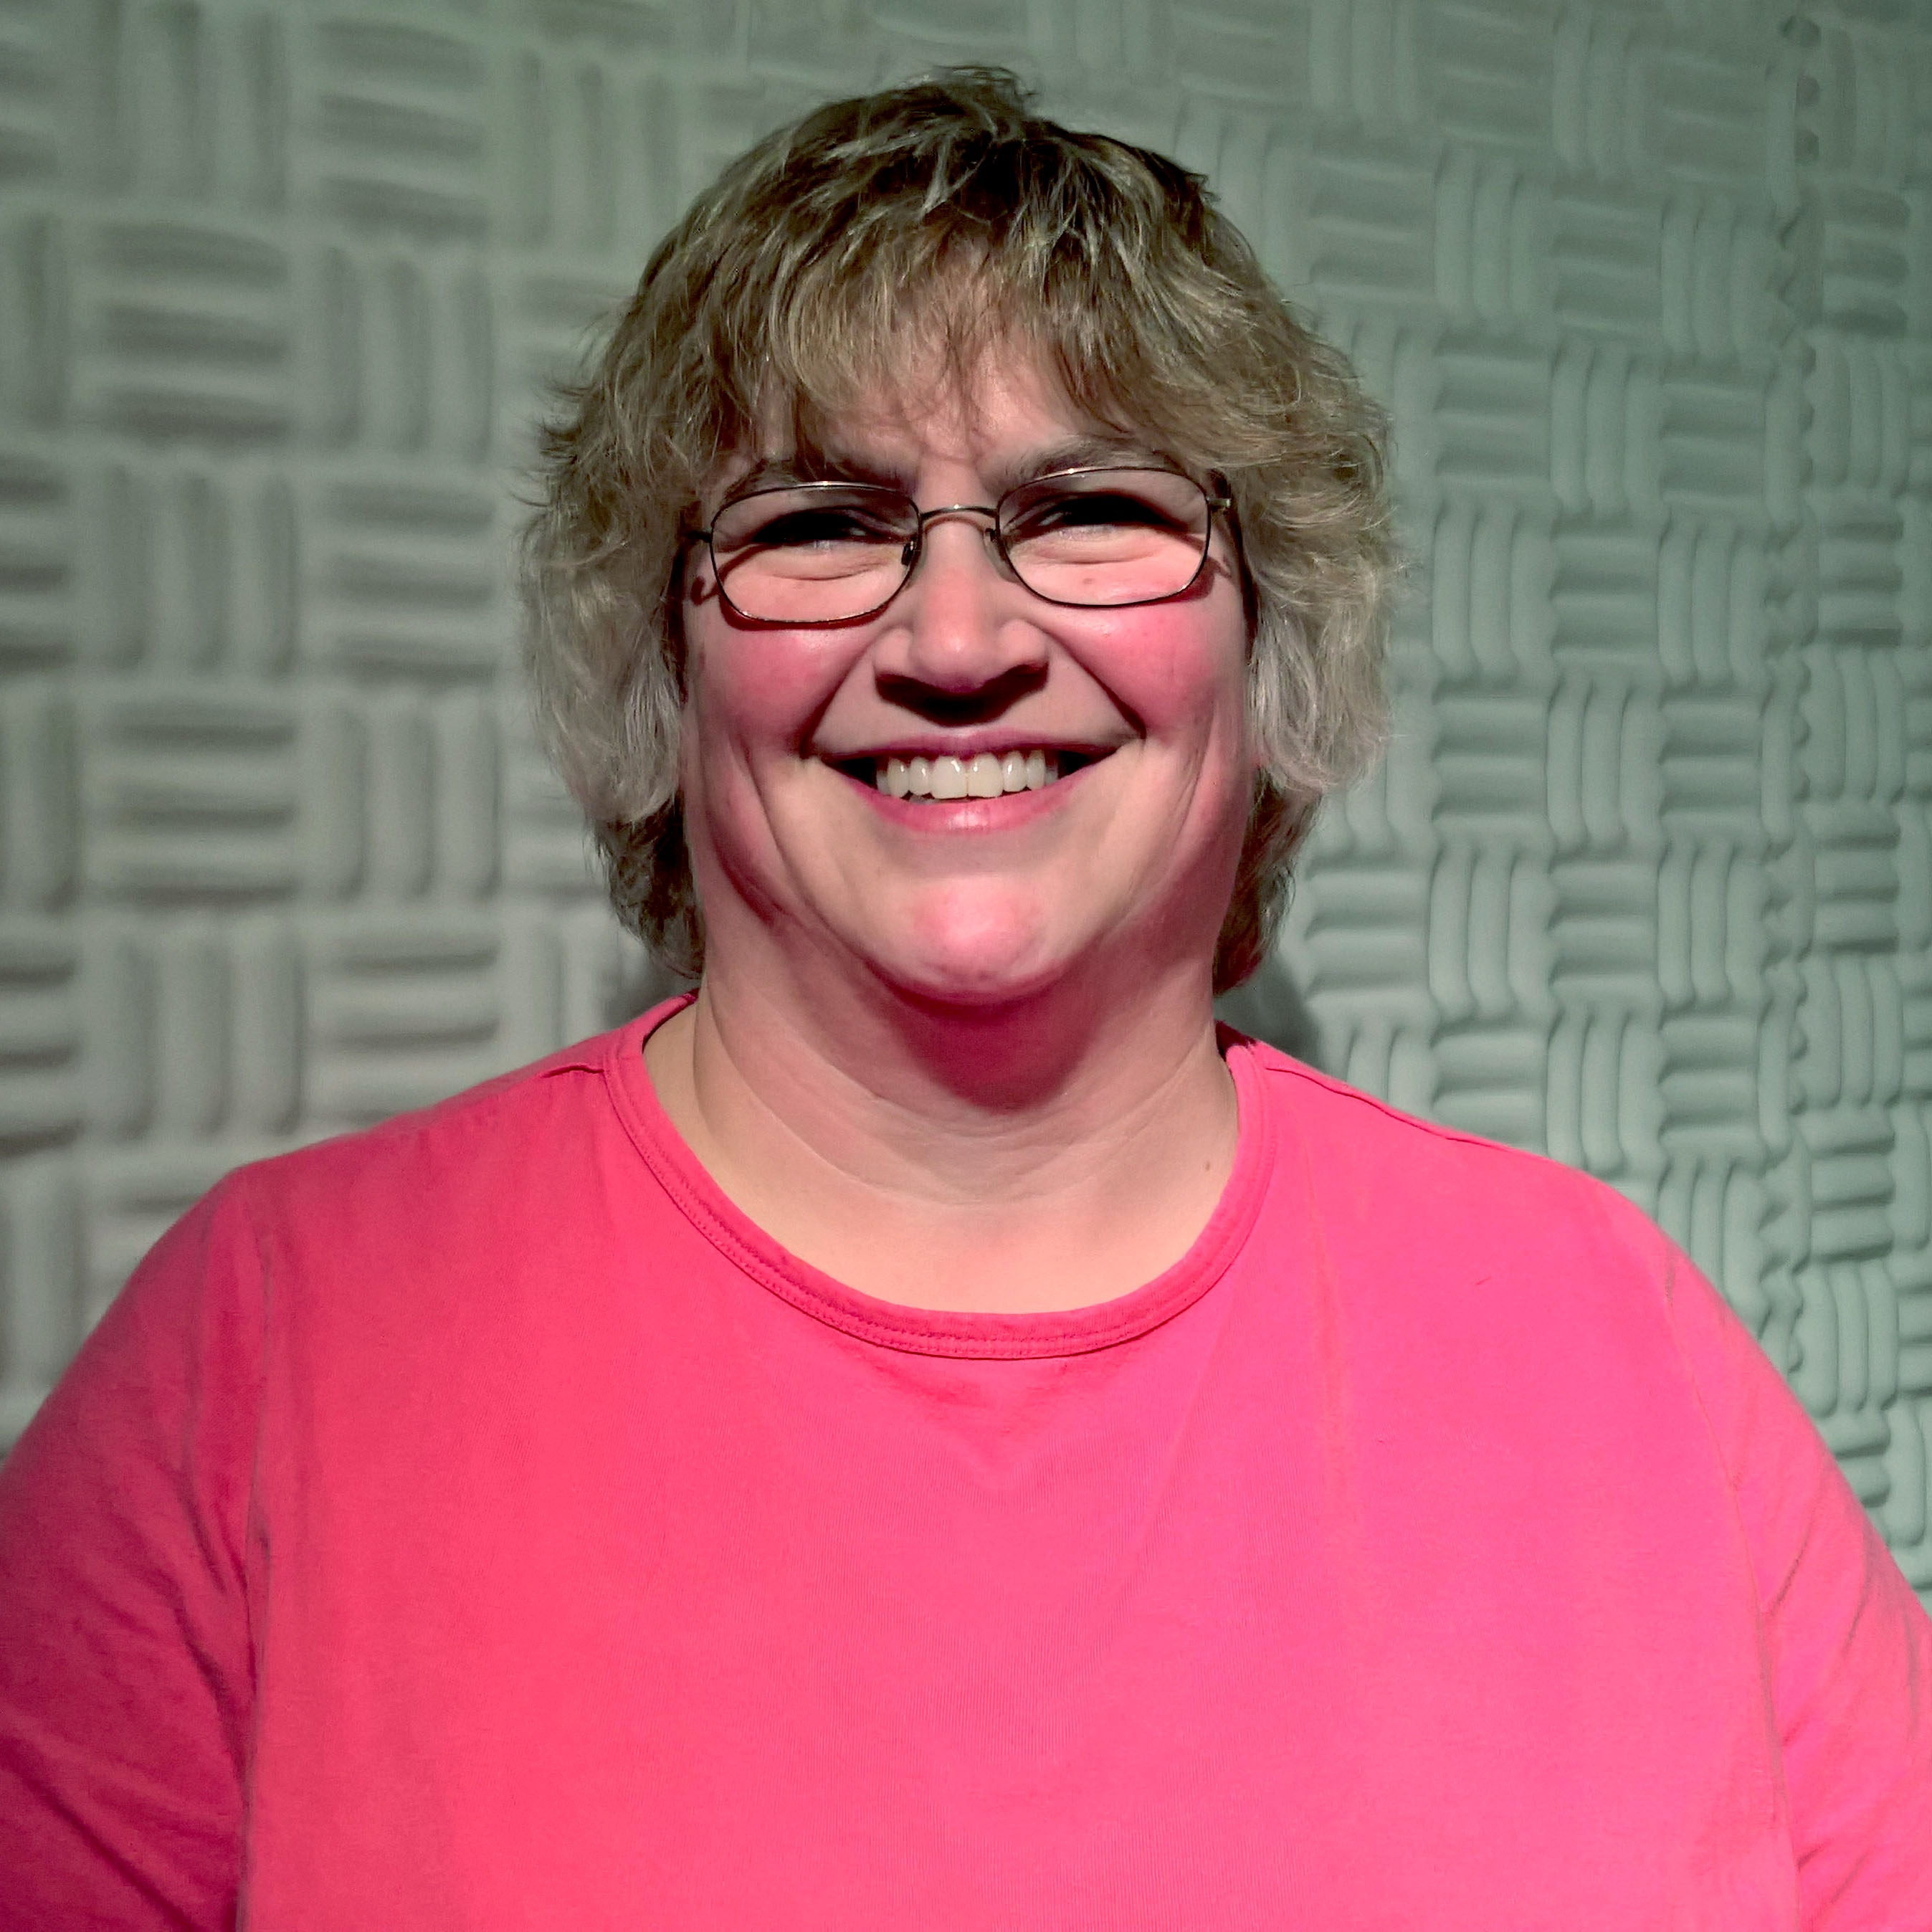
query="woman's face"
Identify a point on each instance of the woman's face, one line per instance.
(1126, 858)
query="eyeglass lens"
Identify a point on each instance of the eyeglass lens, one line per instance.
(822, 553)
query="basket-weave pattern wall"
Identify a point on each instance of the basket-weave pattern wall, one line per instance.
(1647, 881)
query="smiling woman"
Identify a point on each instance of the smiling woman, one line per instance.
(926, 1431)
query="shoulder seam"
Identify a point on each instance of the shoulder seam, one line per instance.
(459, 1106)
(1280, 1065)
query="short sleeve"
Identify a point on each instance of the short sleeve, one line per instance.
(1848, 1647)
(125, 1650)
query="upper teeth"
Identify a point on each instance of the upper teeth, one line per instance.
(986, 776)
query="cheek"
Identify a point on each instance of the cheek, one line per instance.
(1185, 679)
(756, 694)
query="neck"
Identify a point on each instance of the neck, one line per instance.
(1044, 1152)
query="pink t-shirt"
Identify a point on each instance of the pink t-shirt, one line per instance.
(476, 1523)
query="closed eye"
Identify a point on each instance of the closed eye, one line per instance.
(808, 529)
(1088, 509)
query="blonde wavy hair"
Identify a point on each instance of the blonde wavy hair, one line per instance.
(838, 258)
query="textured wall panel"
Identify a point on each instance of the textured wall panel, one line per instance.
(1859, 1180)
(1645, 882)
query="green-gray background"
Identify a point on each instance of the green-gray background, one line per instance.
(1646, 882)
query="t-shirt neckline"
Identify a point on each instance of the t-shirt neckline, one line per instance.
(928, 1331)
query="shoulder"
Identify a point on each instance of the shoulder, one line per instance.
(1361, 1153)
(1464, 1255)
(419, 1260)
(1478, 1246)
(472, 1143)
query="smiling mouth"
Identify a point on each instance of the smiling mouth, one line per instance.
(943, 778)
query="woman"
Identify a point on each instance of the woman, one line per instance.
(925, 1432)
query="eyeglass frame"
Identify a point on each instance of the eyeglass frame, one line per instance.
(1217, 505)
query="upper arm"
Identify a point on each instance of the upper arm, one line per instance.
(125, 1651)
(1848, 1648)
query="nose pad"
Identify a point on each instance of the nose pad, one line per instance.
(989, 532)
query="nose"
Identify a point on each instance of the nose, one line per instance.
(963, 622)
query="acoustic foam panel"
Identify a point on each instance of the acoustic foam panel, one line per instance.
(1645, 882)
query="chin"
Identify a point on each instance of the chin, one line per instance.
(978, 961)
(970, 978)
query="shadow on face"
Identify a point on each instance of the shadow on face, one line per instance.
(1268, 1007)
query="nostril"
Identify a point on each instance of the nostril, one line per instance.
(979, 703)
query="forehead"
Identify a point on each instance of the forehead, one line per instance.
(1007, 419)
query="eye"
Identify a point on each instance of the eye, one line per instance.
(1086, 509)
(804, 529)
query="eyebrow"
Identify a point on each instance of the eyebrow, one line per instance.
(810, 464)
(1093, 449)
(816, 465)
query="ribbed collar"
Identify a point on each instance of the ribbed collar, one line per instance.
(923, 1331)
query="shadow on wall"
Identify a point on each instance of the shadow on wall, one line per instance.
(1269, 1007)
(640, 984)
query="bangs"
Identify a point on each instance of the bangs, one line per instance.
(848, 342)
(863, 284)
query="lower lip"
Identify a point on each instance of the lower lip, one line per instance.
(1010, 810)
